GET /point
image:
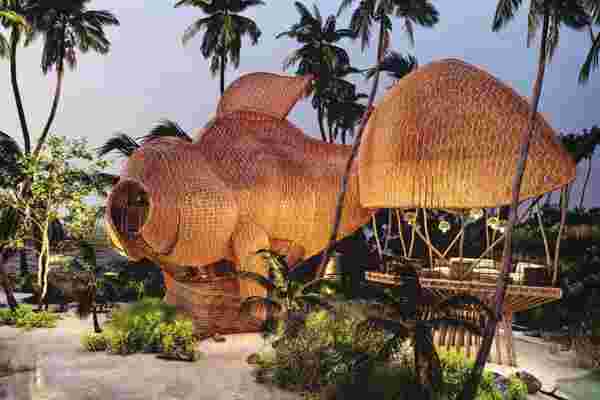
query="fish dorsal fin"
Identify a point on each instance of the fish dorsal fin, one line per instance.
(264, 92)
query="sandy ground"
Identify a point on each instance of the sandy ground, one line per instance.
(54, 366)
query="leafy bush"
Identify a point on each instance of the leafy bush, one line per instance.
(92, 341)
(321, 352)
(24, 317)
(138, 327)
(177, 340)
(148, 325)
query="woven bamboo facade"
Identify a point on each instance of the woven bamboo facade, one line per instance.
(447, 136)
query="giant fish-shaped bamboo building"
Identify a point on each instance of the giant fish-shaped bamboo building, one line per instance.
(447, 135)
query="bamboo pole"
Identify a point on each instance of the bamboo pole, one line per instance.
(401, 233)
(429, 244)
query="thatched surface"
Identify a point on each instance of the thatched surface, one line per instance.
(265, 93)
(448, 136)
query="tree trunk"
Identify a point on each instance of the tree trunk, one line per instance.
(354, 152)
(43, 263)
(97, 327)
(10, 296)
(15, 35)
(585, 182)
(470, 388)
(222, 72)
(321, 125)
(57, 94)
(564, 205)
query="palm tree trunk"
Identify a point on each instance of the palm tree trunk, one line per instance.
(354, 152)
(564, 205)
(585, 182)
(10, 296)
(97, 327)
(470, 388)
(222, 72)
(16, 91)
(320, 117)
(57, 94)
(545, 239)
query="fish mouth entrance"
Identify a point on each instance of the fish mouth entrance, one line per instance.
(129, 209)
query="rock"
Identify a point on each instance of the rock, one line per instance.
(253, 359)
(501, 382)
(533, 384)
(219, 338)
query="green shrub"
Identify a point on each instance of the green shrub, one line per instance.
(138, 327)
(148, 325)
(92, 341)
(517, 390)
(177, 340)
(320, 353)
(24, 317)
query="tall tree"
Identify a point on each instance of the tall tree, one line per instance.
(319, 55)
(225, 28)
(67, 25)
(550, 14)
(15, 12)
(421, 12)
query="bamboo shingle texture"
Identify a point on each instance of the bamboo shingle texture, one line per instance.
(448, 136)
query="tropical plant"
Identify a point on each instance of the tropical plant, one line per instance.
(406, 318)
(421, 12)
(592, 58)
(550, 14)
(225, 28)
(15, 16)
(286, 299)
(582, 147)
(319, 56)
(57, 189)
(125, 145)
(67, 26)
(395, 65)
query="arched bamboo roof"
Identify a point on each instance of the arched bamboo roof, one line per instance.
(448, 136)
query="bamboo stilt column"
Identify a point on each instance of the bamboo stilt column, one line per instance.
(377, 241)
(429, 245)
(412, 237)
(401, 233)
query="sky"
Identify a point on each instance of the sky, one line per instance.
(149, 74)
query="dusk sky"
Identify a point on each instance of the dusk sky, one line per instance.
(149, 74)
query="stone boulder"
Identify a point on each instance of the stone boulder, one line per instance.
(533, 384)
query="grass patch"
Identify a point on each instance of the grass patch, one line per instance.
(25, 317)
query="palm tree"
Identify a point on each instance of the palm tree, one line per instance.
(395, 65)
(592, 59)
(13, 17)
(125, 145)
(222, 41)
(405, 317)
(67, 26)
(319, 55)
(421, 12)
(286, 299)
(551, 14)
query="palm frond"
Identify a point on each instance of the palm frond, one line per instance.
(343, 6)
(249, 303)
(505, 12)
(197, 26)
(421, 12)
(121, 143)
(257, 278)
(591, 61)
(243, 5)
(166, 128)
